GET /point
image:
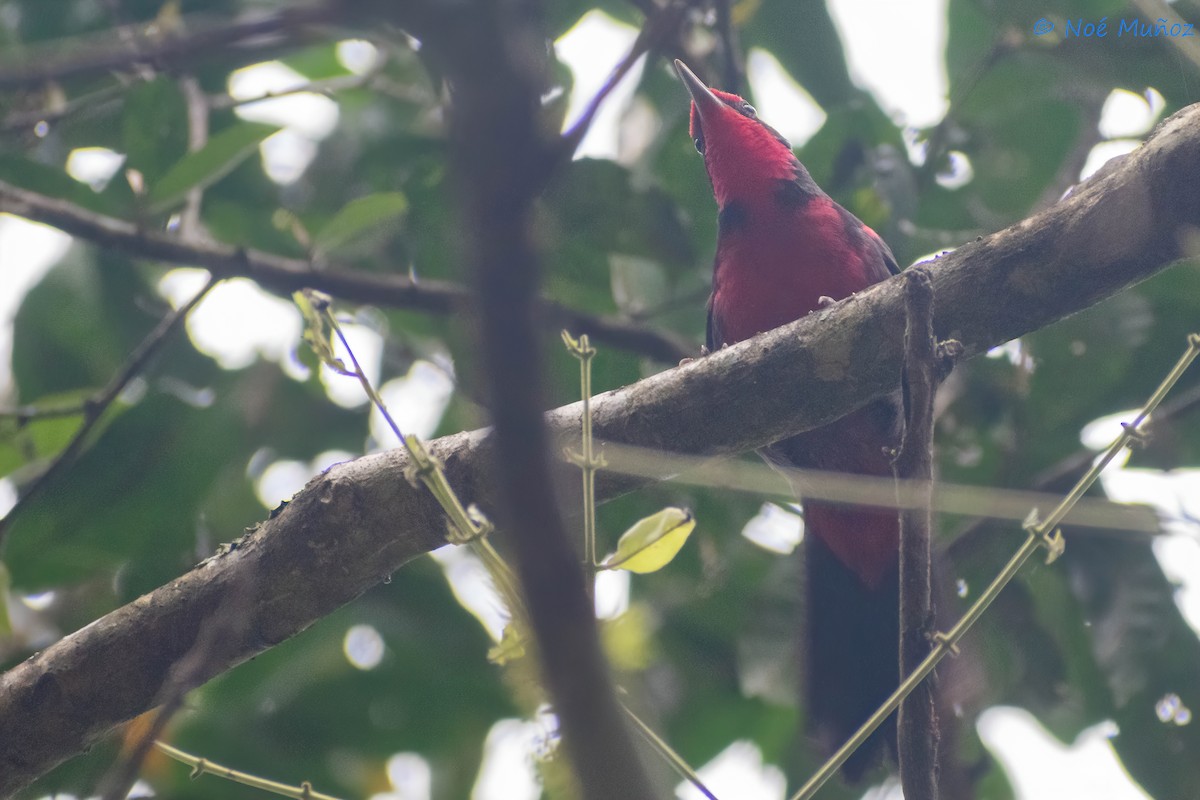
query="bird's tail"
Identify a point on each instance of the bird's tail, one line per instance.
(851, 640)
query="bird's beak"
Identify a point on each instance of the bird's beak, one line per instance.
(706, 102)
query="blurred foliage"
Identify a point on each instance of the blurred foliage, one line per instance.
(710, 652)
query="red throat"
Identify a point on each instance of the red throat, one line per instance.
(743, 157)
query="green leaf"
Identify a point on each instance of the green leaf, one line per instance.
(361, 222)
(154, 128)
(208, 165)
(652, 542)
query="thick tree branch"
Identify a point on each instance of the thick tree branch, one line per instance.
(360, 521)
(286, 275)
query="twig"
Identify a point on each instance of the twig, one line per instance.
(1040, 533)
(202, 766)
(586, 459)
(860, 490)
(59, 60)
(287, 275)
(25, 414)
(668, 753)
(95, 406)
(731, 50)
(23, 120)
(917, 726)
(501, 159)
(326, 86)
(659, 25)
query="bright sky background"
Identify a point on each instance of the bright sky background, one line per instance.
(898, 58)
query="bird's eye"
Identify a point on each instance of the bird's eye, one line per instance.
(699, 142)
(748, 110)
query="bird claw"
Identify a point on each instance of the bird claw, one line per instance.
(703, 353)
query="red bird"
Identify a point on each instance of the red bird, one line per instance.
(782, 246)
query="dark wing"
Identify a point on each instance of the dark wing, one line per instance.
(867, 240)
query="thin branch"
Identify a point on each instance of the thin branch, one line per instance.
(95, 406)
(660, 25)
(325, 86)
(23, 415)
(360, 521)
(771, 482)
(148, 45)
(676, 761)
(23, 120)
(202, 766)
(287, 275)
(731, 50)
(586, 459)
(917, 727)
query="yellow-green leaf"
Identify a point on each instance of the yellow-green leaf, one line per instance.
(652, 542)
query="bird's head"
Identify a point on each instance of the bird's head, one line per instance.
(742, 154)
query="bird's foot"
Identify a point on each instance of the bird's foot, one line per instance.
(703, 353)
